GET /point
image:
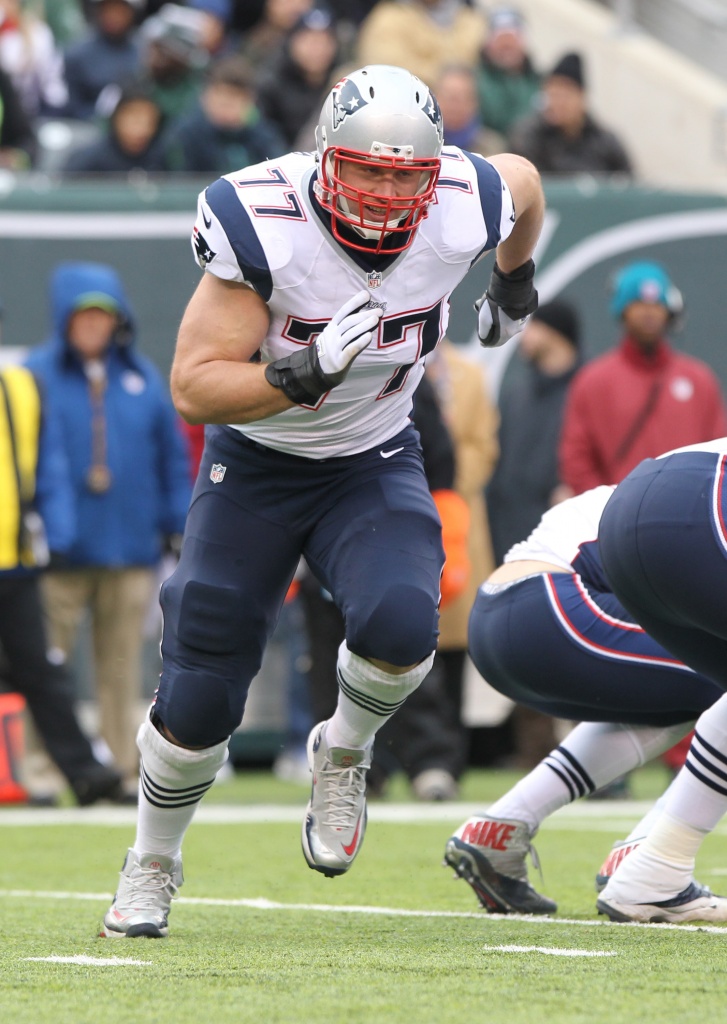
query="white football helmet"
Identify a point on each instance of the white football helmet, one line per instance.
(385, 116)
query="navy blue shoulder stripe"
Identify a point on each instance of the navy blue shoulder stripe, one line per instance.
(489, 186)
(222, 200)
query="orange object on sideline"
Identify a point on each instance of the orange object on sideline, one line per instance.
(12, 747)
(455, 515)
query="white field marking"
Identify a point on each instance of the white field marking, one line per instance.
(92, 961)
(261, 903)
(597, 816)
(548, 950)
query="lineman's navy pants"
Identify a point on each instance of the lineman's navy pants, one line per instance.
(368, 529)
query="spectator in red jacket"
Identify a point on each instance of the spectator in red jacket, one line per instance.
(642, 397)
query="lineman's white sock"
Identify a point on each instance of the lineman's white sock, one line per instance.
(367, 697)
(172, 782)
(698, 795)
(661, 867)
(592, 755)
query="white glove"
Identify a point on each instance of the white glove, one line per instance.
(307, 374)
(507, 305)
(494, 326)
(346, 336)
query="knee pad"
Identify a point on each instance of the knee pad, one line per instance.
(208, 618)
(400, 629)
(200, 707)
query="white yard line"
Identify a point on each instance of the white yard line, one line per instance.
(91, 961)
(549, 950)
(597, 816)
(260, 903)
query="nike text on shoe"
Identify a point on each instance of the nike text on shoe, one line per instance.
(335, 819)
(695, 903)
(147, 886)
(489, 853)
(619, 850)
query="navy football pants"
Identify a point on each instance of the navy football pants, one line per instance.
(368, 529)
(663, 544)
(558, 643)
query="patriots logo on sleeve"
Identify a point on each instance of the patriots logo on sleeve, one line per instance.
(205, 255)
(346, 101)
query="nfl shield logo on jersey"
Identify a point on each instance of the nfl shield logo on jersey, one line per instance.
(374, 279)
(217, 473)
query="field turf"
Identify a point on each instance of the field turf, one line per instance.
(257, 936)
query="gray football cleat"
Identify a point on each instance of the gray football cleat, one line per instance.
(695, 903)
(489, 853)
(619, 851)
(335, 819)
(147, 886)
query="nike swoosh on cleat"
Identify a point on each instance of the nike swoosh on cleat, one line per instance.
(349, 850)
(387, 455)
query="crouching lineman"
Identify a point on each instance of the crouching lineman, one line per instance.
(547, 630)
(326, 286)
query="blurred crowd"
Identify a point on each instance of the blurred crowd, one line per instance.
(206, 86)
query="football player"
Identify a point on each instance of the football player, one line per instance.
(547, 630)
(326, 286)
(663, 539)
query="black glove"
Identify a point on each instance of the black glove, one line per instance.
(507, 305)
(306, 375)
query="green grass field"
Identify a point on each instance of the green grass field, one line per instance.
(257, 936)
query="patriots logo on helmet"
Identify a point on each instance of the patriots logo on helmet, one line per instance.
(431, 109)
(347, 99)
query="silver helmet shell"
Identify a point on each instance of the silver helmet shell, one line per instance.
(381, 115)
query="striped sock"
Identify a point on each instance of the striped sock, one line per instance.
(698, 795)
(172, 781)
(368, 697)
(591, 755)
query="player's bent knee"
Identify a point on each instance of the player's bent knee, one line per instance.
(401, 629)
(200, 710)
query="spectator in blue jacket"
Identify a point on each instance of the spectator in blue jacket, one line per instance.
(128, 466)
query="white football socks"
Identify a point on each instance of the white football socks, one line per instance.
(663, 865)
(367, 697)
(172, 781)
(592, 755)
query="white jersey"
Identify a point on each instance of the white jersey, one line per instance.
(718, 446)
(563, 528)
(262, 226)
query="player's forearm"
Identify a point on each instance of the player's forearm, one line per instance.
(225, 392)
(524, 183)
